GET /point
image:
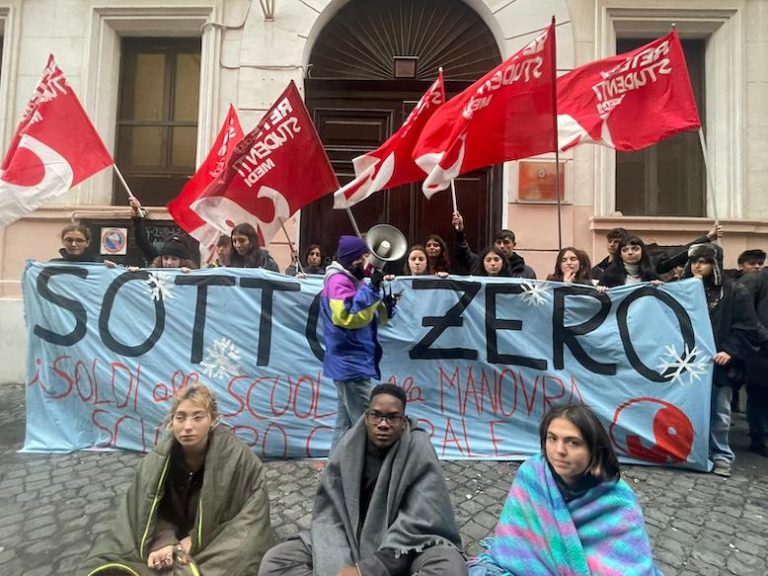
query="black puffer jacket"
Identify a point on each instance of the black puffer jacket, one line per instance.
(755, 285)
(470, 261)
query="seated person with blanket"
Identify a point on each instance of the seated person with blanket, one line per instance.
(382, 507)
(198, 503)
(569, 511)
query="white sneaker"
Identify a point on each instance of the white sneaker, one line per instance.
(722, 468)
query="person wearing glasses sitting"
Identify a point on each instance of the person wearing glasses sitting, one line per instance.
(382, 507)
(76, 244)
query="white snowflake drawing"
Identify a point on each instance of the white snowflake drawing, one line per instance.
(160, 285)
(222, 358)
(534, 293)
(692, 362)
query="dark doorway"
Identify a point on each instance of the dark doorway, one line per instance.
(357, 103)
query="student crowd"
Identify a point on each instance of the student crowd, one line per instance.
(198, 504)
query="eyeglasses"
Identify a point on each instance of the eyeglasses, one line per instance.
(376, 418)
(74, 240)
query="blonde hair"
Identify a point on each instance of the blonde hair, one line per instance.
(199, 393)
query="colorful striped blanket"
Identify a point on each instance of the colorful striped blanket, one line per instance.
(600, 533)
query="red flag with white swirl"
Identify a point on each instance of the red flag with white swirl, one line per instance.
(180, 207)
(54, 148)
(277, 168)
(392, 163)
(629, 101)
(506, 115)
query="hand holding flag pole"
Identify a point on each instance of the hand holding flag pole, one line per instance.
(132, 200)
(290, 245)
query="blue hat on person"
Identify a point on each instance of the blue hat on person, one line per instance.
(350, 249)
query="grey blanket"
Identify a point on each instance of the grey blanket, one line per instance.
(410, 508)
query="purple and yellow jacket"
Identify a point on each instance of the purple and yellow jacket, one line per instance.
(351, 311)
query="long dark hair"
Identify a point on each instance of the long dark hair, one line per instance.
(583, 276)
(251, 259)
(603, 463)
(616, 273)
(443, 262)
(313, 269)
(506, 269)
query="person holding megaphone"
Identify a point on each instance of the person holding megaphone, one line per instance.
(352, 309)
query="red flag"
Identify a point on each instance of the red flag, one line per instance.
(392, 164)
(278, 167)
(180, 207)
(629, 101)
(55, 147)
(505, 115)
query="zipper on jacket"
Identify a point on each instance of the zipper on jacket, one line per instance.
(200, 522)
(152, 509)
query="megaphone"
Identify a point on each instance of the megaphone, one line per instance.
(386, 243)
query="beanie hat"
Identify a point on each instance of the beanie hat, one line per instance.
(350, 249)
(175, 247)
(711, 252)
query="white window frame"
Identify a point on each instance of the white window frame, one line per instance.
(725, 109)
(9, 30)
(108, 26)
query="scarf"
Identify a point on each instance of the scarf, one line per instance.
(410, 508)
(538, 534)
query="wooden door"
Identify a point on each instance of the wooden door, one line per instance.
(359, 95)
(353, 117)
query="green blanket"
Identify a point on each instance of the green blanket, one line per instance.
(232, 528)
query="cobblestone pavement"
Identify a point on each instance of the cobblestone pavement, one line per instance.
(52, 507)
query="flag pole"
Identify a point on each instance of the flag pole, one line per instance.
(142, 211)
(710, 177)
(453, 196)
(354, 223)
(290, 245)
(557, 141)
(122, 181)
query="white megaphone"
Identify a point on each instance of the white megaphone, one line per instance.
(386, 243)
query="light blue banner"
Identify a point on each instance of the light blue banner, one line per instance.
(481, 360)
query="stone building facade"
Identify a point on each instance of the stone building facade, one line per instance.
(157, 78)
